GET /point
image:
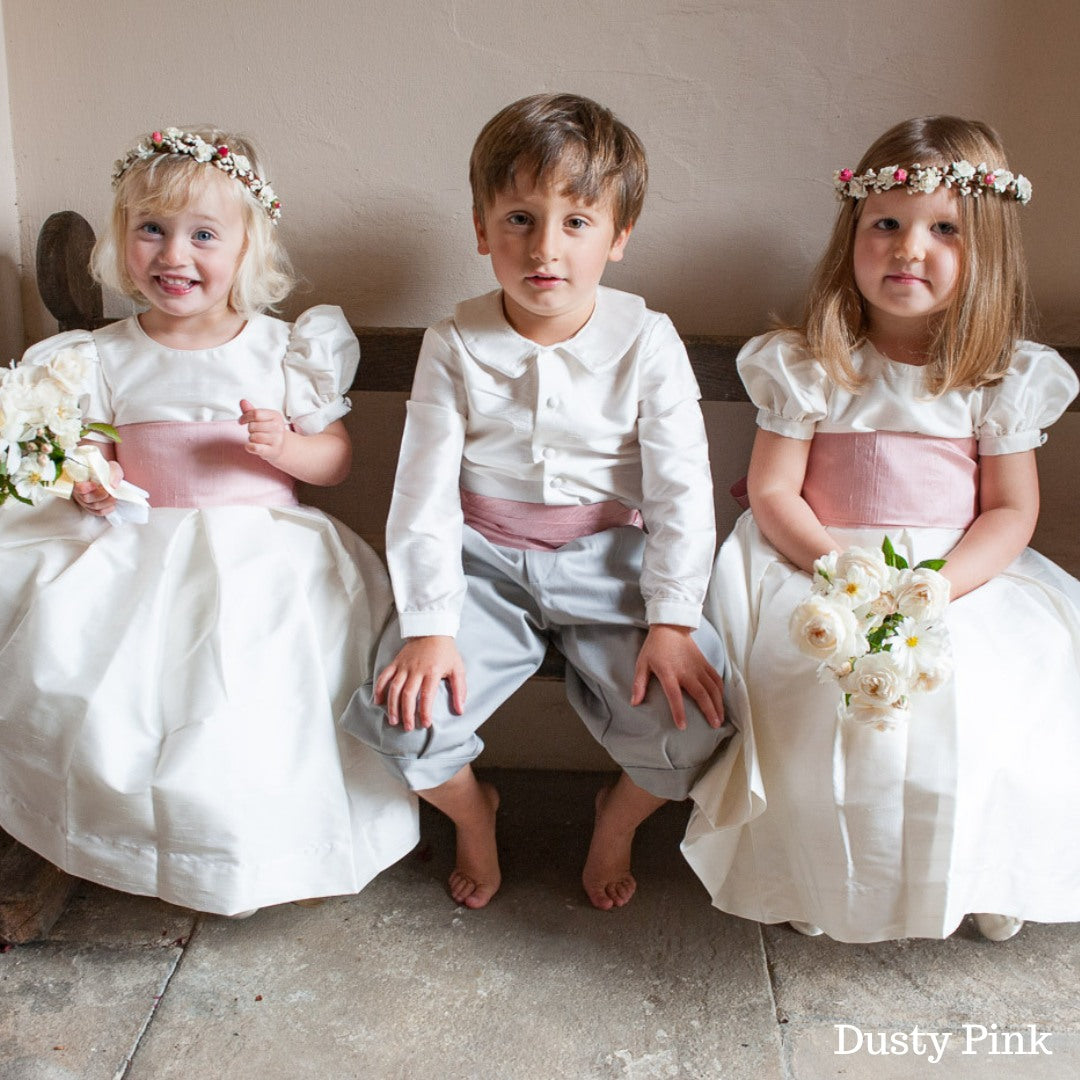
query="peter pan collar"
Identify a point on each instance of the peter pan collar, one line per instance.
(613, 327)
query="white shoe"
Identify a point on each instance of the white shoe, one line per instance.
(807, 929)
(998, 927)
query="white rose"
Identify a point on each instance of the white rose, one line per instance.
(922, 593)
(242, 163)
(1002, 179)
(70, 369)
(884, 717)
(203, 151)
(825, 631)
(963, 169)
(877, 678)
(869, 560)
(1023, 188)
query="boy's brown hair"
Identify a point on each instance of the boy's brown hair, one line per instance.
(561, 138)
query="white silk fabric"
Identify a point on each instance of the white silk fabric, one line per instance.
(170, 692)
(973, 805)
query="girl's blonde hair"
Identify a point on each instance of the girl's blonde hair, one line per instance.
(973, 339)
(165, 184)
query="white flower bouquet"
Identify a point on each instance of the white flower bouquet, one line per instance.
(875, 627)
(41, 424)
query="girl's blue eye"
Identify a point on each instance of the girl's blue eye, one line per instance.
(203, 235)
(151, 228)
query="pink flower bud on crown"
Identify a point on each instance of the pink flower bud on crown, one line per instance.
(846, 175)
(900, 176)
(175, 141)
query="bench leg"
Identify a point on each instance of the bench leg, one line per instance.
(33, 893)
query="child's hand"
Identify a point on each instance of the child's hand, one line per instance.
(409, 683)
(93, 498)
(266, 431)
(672, 655)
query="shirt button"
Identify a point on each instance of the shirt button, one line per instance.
(549, 452)
(552, 402)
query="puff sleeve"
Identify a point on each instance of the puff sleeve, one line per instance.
(1033, 394)
(785, 383)
(95, 389)
(320, 361)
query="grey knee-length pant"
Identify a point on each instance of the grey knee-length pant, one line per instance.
(585, 599)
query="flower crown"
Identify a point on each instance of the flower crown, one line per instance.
(968, 179)
(174, 141)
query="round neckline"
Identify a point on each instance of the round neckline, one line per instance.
(208, 348)
(896, 365)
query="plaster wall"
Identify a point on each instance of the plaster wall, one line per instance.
(11, 325)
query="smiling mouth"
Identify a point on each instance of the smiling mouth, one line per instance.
(175, 284)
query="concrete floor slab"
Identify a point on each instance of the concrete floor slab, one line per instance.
(74, 1012)
(400, 982)
(990, 999)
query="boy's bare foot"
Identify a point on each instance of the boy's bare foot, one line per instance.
(476, 877)
(606, 877)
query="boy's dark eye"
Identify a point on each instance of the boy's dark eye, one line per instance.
(577, 223)
(518, 219)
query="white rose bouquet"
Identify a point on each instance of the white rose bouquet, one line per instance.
(875, 626)
(42, 420)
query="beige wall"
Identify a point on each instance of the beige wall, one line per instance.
(367, 111)
(11, 327)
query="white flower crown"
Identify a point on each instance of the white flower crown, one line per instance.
(174, 141)
(968, 179)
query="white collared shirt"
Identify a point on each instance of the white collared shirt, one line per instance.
(612, 413)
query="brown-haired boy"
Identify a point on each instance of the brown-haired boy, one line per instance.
(553, 486)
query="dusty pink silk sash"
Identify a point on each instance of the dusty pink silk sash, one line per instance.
(200, 464)
(892, 478)
(536, 527)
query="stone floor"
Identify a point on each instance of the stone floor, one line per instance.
(400, 983)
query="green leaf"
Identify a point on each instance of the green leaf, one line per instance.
(889, 552)
(103, 429)
(931, 564)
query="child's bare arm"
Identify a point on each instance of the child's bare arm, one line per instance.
(774, 482)
(1008, 512)
(672, 656)
(322, 459)
(409, 683)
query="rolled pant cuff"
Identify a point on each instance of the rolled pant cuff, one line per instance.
(419, 774)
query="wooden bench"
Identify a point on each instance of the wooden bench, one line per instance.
(32, 892)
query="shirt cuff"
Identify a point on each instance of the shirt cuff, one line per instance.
(675, 612)
(428, 623)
